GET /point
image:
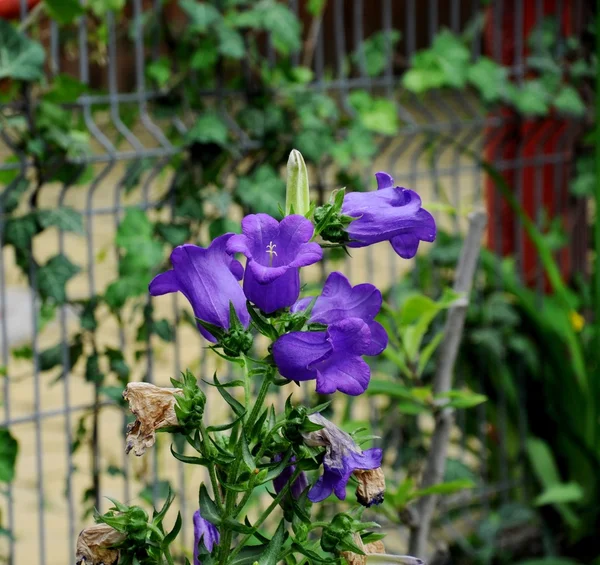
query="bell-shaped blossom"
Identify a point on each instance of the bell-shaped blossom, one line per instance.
(204, 532)
(339, 300)
(332, 357)
(275, 252)
(208, 278)
(298, 486)
(342, 458)
(391, 213)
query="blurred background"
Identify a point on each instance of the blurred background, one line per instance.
(128, 127)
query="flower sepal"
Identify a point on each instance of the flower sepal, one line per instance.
(189, 406)
(330, 222)
(235, 342)
(341, 534)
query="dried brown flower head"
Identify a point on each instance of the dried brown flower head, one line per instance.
(94, 545)
(371, 486)
(369, 549)
(154, 408)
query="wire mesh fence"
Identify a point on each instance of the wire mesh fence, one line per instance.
(128, 166)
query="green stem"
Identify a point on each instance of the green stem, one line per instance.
(597, 191)
(231, 496)
(266, 513)
(212, 472)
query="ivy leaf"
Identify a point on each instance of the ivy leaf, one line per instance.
(231, 43)
(283, 25)
(209, 128)
(201, 14)
(373, 52)
(20, 230)
(64, 11)
(160, 71)
(54, 275)
(163, 329)
(64, 218)
(376, 114)
(488, 78)
(20, 57)
(92, 369)
(532, 98)
(569, 101)
(263, 191)
(8, 455)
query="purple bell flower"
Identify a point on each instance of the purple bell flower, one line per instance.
(206, 533)
(332, 357)
(391, 213)
(275, 252)
(342, 458)
(208, 278)
(339, 301)
(284, 477)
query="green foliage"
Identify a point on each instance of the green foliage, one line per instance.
(8, 455)
(21, 58)
(448, 64)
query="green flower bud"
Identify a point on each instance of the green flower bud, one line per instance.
(237, 342)
(337, 532)
(297, 195)
(189, 406)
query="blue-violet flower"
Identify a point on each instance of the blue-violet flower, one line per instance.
(284, 477)
(206, 532)
(342, 458)
(332, 357)
(391, 213)
(208, 278)
(275, 252)
(339, 301)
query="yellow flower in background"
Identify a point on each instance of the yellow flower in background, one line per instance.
(577, 320)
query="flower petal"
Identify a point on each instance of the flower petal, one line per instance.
(379, 339)
(307, 254)
(349, 375)
(280, 293)
(384, 180)
(296, 351)
(323, 487)
(339, 300)
(164, 283)
(263, 274)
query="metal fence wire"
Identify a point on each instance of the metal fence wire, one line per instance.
(42, 506)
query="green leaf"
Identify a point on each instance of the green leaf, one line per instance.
(189, 459)
(237, 407)
(8, 455)
(427, 351)
(159, 71)
(378, 115)
(209, 128)
(64, 218)
(488, 77)
(461, 398)
(271, 554)
(283, 25)
(373, 52)
(163, 329)
(201, 14)
(54, 275)
(532, 99)
(559, 493)
(231, 43)
(64, 11)
(21, 58)
(20, 230)
(174, 234)
(209, 509)
(263, 191)
(444, 488)
(315, 7)
(569, 101)
(170, 537)
(92, 369)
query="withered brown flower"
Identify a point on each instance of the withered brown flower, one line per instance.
(369, 549)
(154, 408)
(94, 545)
(371, 486)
